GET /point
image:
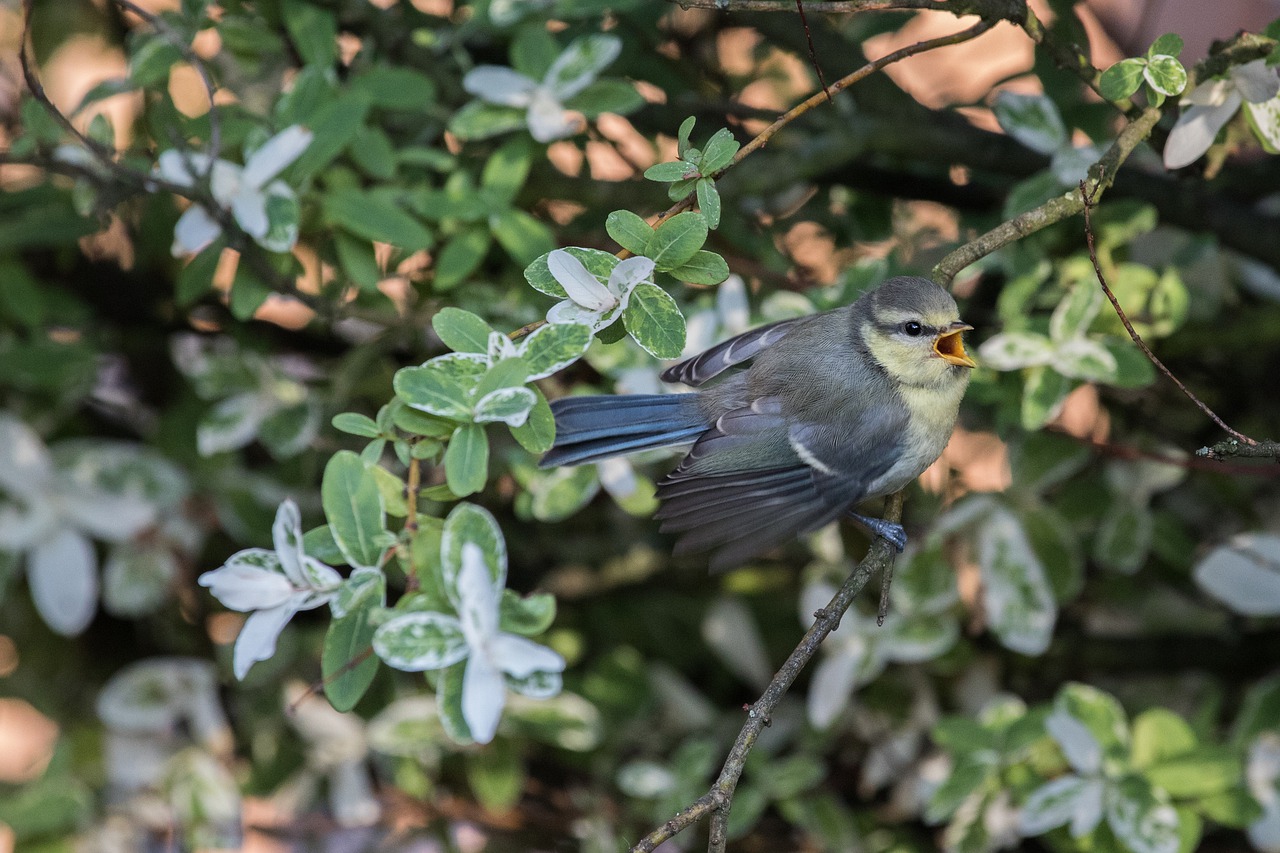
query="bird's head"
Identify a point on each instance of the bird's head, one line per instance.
(913, 328)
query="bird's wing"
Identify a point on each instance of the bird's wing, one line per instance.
(791, 478)
(711, 363)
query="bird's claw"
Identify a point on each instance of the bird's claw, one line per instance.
(892, 533)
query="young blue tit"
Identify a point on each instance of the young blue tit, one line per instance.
(834, 409)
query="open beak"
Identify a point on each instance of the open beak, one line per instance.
(950, 347)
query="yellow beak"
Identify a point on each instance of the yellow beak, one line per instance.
(950, 347)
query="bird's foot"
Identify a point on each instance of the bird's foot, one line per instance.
(886, 530)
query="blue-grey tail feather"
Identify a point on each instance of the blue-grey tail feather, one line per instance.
(589, 429)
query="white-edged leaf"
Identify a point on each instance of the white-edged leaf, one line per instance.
(654, 320)
(232, 423)
(468, 523)
(443, 385)
(1077, 742)
(62, 573)
(1142, 821)
(499, 85)
(1016, 594)
(1165, 74)
(1073, 315)
(1196, 129)
(581, 61)
(1033, 120)
(511, 406)
(554, 347)
(1051, 805)
(1244, 575)
(1016, 350)
(1085, 358)
(420, 641)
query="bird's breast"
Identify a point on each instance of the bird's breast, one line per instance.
(932, 417)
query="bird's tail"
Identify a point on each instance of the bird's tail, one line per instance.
(589, 429)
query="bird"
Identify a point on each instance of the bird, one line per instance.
(810, 417)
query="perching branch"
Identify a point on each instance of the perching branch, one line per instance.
(1089, 198)
(719, 799)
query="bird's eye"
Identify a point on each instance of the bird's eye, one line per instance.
(913, 328)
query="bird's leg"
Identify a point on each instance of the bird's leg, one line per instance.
(887, 530)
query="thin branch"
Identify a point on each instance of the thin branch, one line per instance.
(1101, 176)
(1089, 197)
(718, 800)
(813, 54)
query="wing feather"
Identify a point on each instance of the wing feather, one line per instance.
(711, 363)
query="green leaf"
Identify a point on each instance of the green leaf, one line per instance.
(718, 152)
(539, 430)
(675, 170)
(496, 775)
(354, 509)
(677, 240)
(629, 231)
(1204, 772)
(554, 347)
(654, 320)
(1099, 712)
(704, 267)
(533, 51)
(1042, 396)
(374, 219)
(313, 30)
(538, 274)
(196, 278)
(1234, 808)
(348, 638)
(355, 423)
(709, 202)
(373, 153)
(507, 168)
(392, 87)
(557, 494)
(1158, 734)
(507, 373)
(443, 386)
(606, 96)
(358, 261)
(248, 293)
(1121, 80)
(466, 460)
(151, 60)
(527, 615)
(334, 124)
(1169, 44)
(319, 543)
(1166, 75)
(480, 120)
(682, 135)
(523, 237)
(1124, 538)
(461, 330)
(418, 422)
(461, 256)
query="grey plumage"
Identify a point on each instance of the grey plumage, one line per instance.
(833, 409)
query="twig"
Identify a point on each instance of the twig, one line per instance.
(1263, 450)
(813, 54)
(1089, 198)
(718, 800)
(1101, 175)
